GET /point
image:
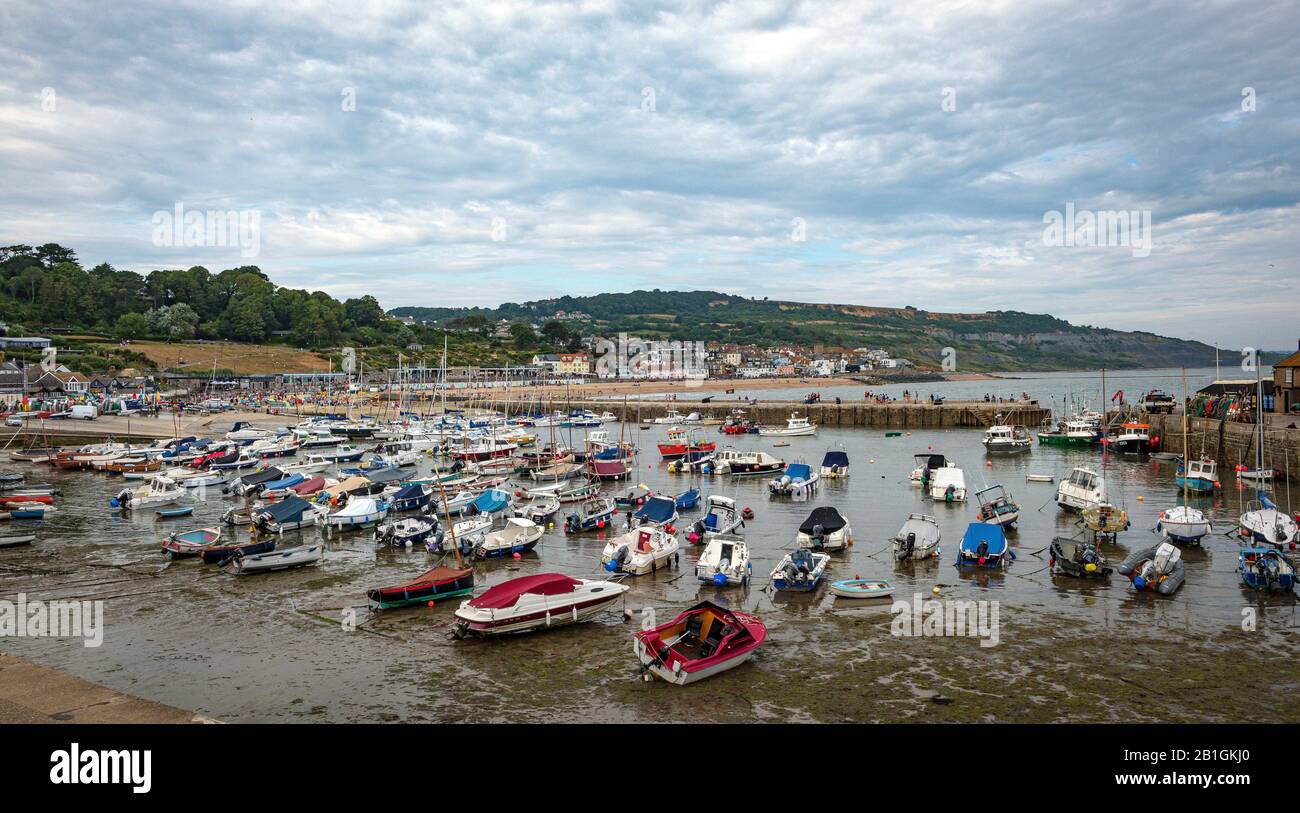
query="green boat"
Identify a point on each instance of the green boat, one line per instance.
(438, 584)
(893, 434)
(1070, 433)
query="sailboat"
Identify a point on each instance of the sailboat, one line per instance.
(1262, 521)
(1104, 519)
(1184, 524)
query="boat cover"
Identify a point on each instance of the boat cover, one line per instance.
(491, 501)
(835, 458)
(657, 509)
(351, 484)
(429, 577)
(798, 471)
(310, 485)
(414, 491)
(508, 592)
(287, 482)
(287, 510)
(263, 476)
(932, 461)
(825, 516)
(1266, 502)
(978, 532)
(384, 475)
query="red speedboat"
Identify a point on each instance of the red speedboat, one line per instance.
(681, 444)
(699, 643)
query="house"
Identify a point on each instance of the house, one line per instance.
(23, 343)
(1286, 384)
(11, 378)
(55, 380)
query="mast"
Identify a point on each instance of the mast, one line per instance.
(1186, 460)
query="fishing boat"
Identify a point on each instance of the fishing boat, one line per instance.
(917, 539)
(748, 464)
(658, 510)
(862, 588)
(720, 518)
(1080, 491)
(223, 555)
(357, 513)
(408, 532)
(687, 500)
(594, 514)
(1197, 476)
(724, 561)
(683, 444)
(286, 559)
(825, 529)
(190, 543)
(835, 464)
(1133, 438)
(535, 602)
(800, 571)
(1263, 568)
(289, 514)
(518, 536)
(798, 480)
(641, 550)
(1263, 524)
(1077, 432)
(795, 426)
(1159, 568)
(539, 509)
(701, 642)
(947, 484)
(1006, 439)
(997, 506)
(158, 491)
(431, 586)
(984, 546)
(1079, 558)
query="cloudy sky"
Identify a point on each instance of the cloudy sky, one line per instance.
(884, 153)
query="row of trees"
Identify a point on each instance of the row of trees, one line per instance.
(47, 286)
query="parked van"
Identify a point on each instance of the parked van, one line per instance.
(86, 412)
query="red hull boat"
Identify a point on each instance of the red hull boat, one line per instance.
(701, 642)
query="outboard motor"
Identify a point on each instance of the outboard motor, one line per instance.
(122, 498)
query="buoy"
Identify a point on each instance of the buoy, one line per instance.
(517, 557)
(1090, 567)
(430, 604)
(988, 464)
(872, 461)
(935, 590)
(929, 447)
(1140, 498)
(550, 526)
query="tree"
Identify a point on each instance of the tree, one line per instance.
(131, 326)
(523, 335)
(364, 312)
(179, 321)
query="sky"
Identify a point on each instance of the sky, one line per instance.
(886, 154)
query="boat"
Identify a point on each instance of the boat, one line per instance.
(358, 512)
(1256, 475)
(641, 550)
(795, 426)
(158, 491)
(721, 518)
(308, 487)
(798, 480)
(491, 503)
(947, 484)
(926, 464)
(1105, 520)
(687, 500)
(683, 444)
(835, 464)
(190, 543)
(997, 506)
(1080, 491)
(535, 602)
(633, 497)
(1040, 478)
(1078, 558)
(658, 510)
(518, 536)
(238, 515)
(272, 489)
(747, 464)
(800, 571)
(431, 586)
(289, 514)
(985, 546)
(917, 539)
(593, 514)
(724, 561)
(1077, 432)
(1264, 524)
(17, 540)
(411, 497)
(1183, 525)
(409, 531)
(173, 513)
(672, 416)
(466, 534)
(1263, 568)
(1006, 439)
(699, 643)
(1159, 568)
(1197, 476)
(1133, 438)
(825, 529)
(539, 509)
(862, 588)
(563, 470)
(222, 555)
(251, 483)
(344, 453)
(286, 559)
(1157, 402)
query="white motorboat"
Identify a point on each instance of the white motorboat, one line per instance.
(798, 480)
(299, 556)
(518, 536)
(535, 602)
(539, 509)
(825, 529)
(1007, 439)
(795, 426)
(359, 512)
(1183, 524)
(468, 533)
(721, 517)
(314, 464)
(948, 484)
(640, 551)
(158, 491)
(917, 539)
(724, 561)
(1082, 490)
(409, 532)
(671, 417)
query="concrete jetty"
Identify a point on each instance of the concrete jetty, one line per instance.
(30, 693)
